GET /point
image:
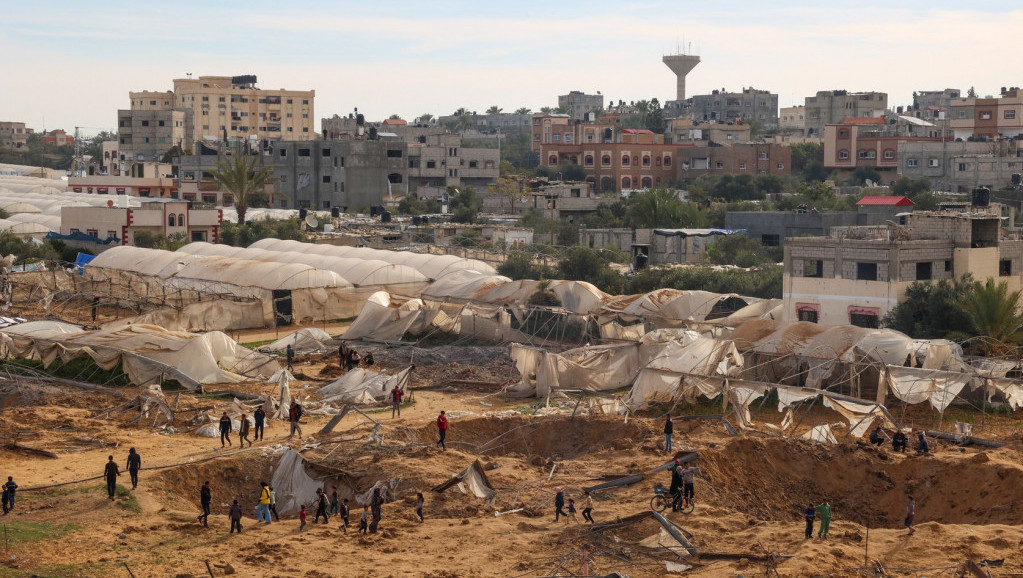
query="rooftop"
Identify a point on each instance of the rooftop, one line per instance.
(885, 200)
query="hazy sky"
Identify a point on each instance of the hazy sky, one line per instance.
(73, 63)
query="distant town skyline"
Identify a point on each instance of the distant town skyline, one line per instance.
(73, 64)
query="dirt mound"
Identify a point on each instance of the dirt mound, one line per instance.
(555, 437)
(773, 479)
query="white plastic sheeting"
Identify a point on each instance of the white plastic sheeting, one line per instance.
(305, 340)
(145, 353)
(913, 385)
(380, 318)
(292, 484)
(364, 386)
(668, 307)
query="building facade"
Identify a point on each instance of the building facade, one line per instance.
(440, 160)
(147, 135)
(988, 118)
(749, 105)
(159, 217)
(866, 142)
(14, 134)
(147, 180)
(962, 166)
(792, 120)
(740, 158)
(834, 106)
(578, 104)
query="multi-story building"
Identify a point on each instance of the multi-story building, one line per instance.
(440, 161)
(577, 104)
(119, 224)
(14, 134)
(689, 131)
(988, 118)
(834, 106)
(235, 108)
(147, 135)
(858, 274)
(152, 180)
(867, 142)
(58, 138)
(506, 123)
(962, 166)
(658, 246)
(110, 163)
(740, 158)
(792, 120)
(933, 105)
(751, 104)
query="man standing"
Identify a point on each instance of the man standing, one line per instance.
(273, 504)
(295, 414)
(6, 500)
(134, 465)
(10, 486)
(321, 506)
(687, 482)
(810, 514)
(442, 428)
(342, 355)
(335, 506)
(375, 506)
(559, 503)
(111, 472)
(824, 509)
(345, 512)
(259, 417)
(675, 490)
(205, 498)
(395, 401)
(910, 514)
(243, 431)
(290, 354)
(264, 503)
(669, 429)
(235, 513)
(225, 429)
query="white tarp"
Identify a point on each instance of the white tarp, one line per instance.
(305, 340)
(383, 319)
(592, 368)
(364, 386)
(913, 385)
(820, 434)
(695, 355)
(292, 485)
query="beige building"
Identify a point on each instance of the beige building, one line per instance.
(236, 106)
(856, 275)
(14, 134)
(688, 131)
(160, 217)
(834, 106)
(147, 135)
(792, 120)
(153, 180)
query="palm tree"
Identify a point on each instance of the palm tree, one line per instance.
(523, 110)
(993, 311)
(546, 110)
(425, 117)
(494, 110)
(238, 175)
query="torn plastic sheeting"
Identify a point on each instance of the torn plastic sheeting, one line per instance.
(859, 415)
(381, 318)
(472, 479)
(820, 434)
(305, 340)
(741, 396)
(913, 385)
(364, 386)
(615, 330)
(1010, 389)
(675, 533)
(988, 367)
(292, 485)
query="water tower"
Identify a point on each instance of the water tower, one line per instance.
(681, 65)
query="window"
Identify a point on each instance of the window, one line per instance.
(326, 178)
(985, 115)
(932, 162)
(772, 241)
(807, 314)
(588, 160)
(719, 165)
(865, 319)
(889, 155)
(325, 152)
(910, 163)
(145, 123)
(284, 178)
(431, 164)
(843, 155)
(111, 234)
(1009, 114)
(552, 160)
(923, 271)
(667, 161)
(304, 101)
(284, 153)
(867, 154)
(181, 219)
(844, 133)
(646, 161)
(92, 233)
(780, 166)
(742, 166)
(605, 161)
(626, 183)
(1005, 268)
(394, 153)
(625, 161)
(763, 156)
(813, 267)
(303, 152)
(198, 236)
(172, 220)
(866, 272)
(962, 114)
(159, 123)
(964, 166)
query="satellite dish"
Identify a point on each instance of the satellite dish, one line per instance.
(110, 202)
(311, 221)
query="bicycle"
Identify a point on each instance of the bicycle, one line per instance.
(663, 499)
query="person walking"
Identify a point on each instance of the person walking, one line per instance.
(396, 396)
(243, 431)
(810, 514)
(910, 514)
(5, 500)
(824, 509)
(420, 501)
(295, 414)
(134, 465)
(111, 472)
(588, 507)
(342, 355)
(559, 504)
(264, 503)
(225, 429)
(442, 429)
(669, 429)
(301, 518)
(273, 503)
(335, 506)
(260, 418)
(376, 507)
(289, 353)
(321, 506)
(345, 512)
(571, 512)
(235, 513)
(205, 497)
(364, 520)
(10, 487)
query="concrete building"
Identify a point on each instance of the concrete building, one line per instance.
(14, 134)
(740, 158)
(689, 131)
(446, 235)
(58, 138)
(792, 120)
(152, 180)
(235, 106)
(834, 106)
(963, 165)
(933, 105)
(858, 274)
(867, 142)
(988, 118)
(659, 246)
(147, 135)
(577, 104)
(566, 201)
(440, 161)
(110, 163)
(157, 216)
(749, 105)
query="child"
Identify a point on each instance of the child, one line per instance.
(364, 521)
(345, 510)
(301, 517)
(571, 511)
(419, 506)
(810, 514)
(235, 513)
(587, 508)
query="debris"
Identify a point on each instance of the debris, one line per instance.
(676, 567)
(496, 514)
(675, 533)
(964, 440)
(473, 477)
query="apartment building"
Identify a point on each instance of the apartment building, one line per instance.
(988, 118)
(440, 161)
(856, 275)
(578, 104)
(14, 134)
(868, 142)
(962, 166)
(143, 179)
(147, 135)
(792, 120)
(658, 246)
(689, 131)
(740, 158)
(234, 106)
(58, 138)
(121, 224)
(748, 105)
(834, 106)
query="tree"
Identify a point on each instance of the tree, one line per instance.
(582, 264)
(660, 208)
(395, 117)
(654, 120)
(546, 110)
(908, 187)
(993, 312)
(609, 215)
(239, 175)
(425, 118)
(971, 93)
(737, 188)
(932, 310)
(571, 171)
(465, 205)
(863, 174)
(738, 250)
(522, 265)
(495, 110)
(94, 145)
(523, 110)
(509, 188)
(808, 161)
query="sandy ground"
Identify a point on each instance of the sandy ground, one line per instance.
(751, 492)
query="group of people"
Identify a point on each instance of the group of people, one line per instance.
(823, 511)
(8, 494)
(111, 471)
(682, 488)
(226, 425)
(900, 442)
(559, 505)
(348, 358)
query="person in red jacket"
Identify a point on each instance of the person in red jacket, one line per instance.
(396, 395)
(442, 427)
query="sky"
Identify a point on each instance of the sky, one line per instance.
(72, 64)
